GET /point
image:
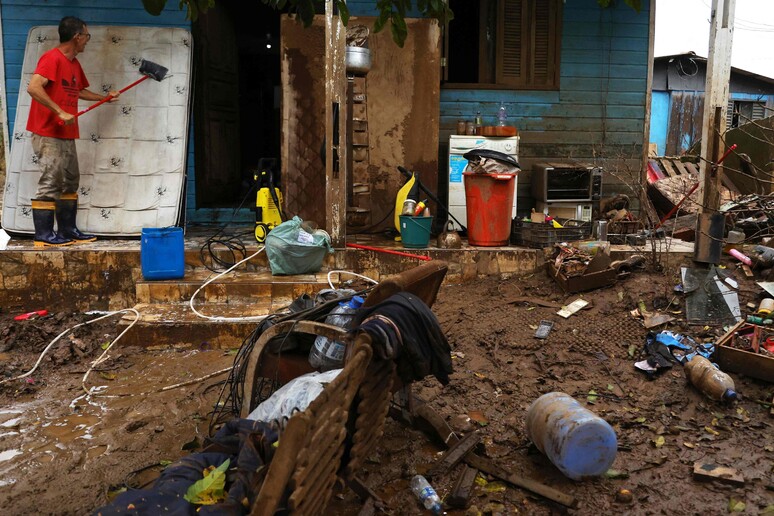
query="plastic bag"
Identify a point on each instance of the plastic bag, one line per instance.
(293, 250)
(487, 161)
(294, 396)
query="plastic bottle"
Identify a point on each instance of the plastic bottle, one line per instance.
(577, 441)
(426, 494)
(327, 354)
(479, 122)
(502, 115)
(710, 380)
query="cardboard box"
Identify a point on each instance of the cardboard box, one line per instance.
(748, 363)
(598, 274)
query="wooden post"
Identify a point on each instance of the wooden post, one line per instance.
(714, 123)
(335, 126)
(715, 101)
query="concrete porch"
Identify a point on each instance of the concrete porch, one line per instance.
(106, 275)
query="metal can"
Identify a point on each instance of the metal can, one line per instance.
(601, 230)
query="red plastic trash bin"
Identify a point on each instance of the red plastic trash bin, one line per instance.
(489, 203)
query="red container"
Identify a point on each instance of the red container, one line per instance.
(489, 203)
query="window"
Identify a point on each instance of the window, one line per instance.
(740, 112)
(504, 43)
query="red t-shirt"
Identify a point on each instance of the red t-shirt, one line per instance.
(65, 81)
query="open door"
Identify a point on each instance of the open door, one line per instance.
(236, 110)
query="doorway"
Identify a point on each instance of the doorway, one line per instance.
(236, 100)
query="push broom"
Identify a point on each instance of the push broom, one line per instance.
(148, 69)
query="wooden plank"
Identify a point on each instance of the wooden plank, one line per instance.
(669, 169)
(680, 168)
(463, 488)
(707, 471)
(486, 465)
(455, 454)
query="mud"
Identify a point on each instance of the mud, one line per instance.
(62, 452)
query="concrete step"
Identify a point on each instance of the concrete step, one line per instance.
(237, 287)
(174, 325)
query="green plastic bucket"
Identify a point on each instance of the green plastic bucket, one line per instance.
(415, 231)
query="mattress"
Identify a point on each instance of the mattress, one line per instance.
(131, 152)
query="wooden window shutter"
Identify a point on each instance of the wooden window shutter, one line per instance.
(512, 42)
(527, 42)
(758, 111)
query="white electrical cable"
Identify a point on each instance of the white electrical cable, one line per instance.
(51, 344)
(103, 356)
(330, 283)
(220, 317)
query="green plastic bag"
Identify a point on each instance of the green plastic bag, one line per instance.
(293, 250)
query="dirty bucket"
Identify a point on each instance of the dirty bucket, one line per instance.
(489, 202)
(415, 231)
(161, 253)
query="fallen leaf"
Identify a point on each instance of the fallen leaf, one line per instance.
(478, 417)
(735, 505)
(614, 473)
(479, 375)
(632, 350)
(659, 441)
(495, 487)
(533, 326)
(769, 447)
(105, 345)
(711, 430)
(768, 510)
(107, 376)
(530, 308)
(689, 445)
(211, 488)
(165, 462)
(640, 420)
(610, 386)
(592, 397)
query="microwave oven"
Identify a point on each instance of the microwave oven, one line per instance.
(565, 182)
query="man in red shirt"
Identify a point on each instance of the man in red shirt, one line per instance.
(56, 85)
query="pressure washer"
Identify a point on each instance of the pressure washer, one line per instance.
(268, 202)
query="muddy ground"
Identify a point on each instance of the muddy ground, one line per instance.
(64, 453)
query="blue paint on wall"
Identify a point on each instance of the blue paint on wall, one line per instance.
(659, 118)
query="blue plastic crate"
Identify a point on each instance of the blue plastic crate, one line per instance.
(161, 253)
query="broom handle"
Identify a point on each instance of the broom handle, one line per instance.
(389, 251)
(108, 98)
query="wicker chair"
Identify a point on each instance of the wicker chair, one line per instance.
(363, 403)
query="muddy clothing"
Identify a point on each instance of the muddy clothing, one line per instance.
(65, 82)
(58, 163)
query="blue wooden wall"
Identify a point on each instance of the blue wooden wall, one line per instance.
(659, 120)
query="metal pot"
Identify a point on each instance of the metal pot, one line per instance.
(358, 60)
(449, 239)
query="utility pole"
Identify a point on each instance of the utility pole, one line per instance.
(709, 226)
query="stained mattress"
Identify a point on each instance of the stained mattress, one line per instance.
(131, 152)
